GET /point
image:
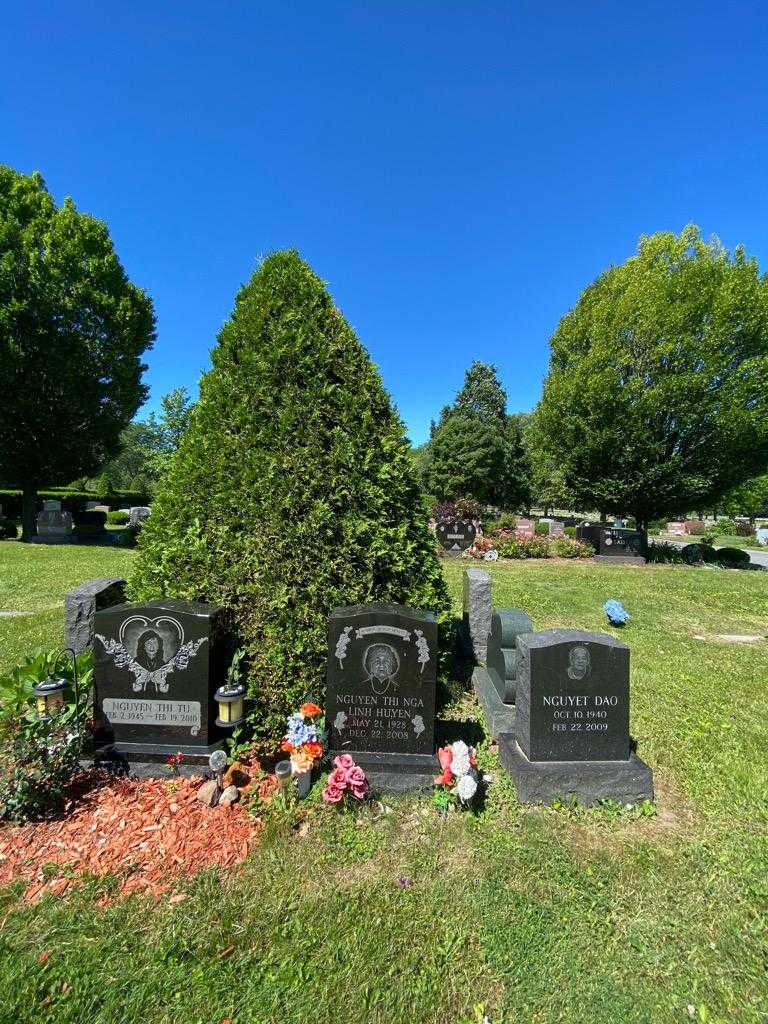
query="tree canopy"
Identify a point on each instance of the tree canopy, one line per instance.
(476, 449)
(656, 398)
(73, 330)
(292, 492)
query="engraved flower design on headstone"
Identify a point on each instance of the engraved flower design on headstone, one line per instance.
(342, 644)
(340, 721)
(422, 647)
(418, 724)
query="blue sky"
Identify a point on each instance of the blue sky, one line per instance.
(456, 172)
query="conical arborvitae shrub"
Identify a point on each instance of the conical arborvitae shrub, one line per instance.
(292, 492)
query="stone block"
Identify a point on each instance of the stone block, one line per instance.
(81, 605)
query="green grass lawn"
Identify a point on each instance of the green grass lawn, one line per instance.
(525, 914)
(34, 579)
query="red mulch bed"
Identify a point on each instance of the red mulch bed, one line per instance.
(148, 832)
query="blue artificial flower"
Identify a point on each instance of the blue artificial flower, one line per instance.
(616, 613)
(299, 732)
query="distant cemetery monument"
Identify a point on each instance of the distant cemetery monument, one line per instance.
(456, 535)
(614, 545)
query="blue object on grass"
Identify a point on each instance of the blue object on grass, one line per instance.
(616, 613)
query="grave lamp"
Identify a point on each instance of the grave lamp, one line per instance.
(50, 693)
(283, 774)
(229, 699)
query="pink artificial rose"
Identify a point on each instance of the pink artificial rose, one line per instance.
(338, 777)
(355, 776)
(332, 794)
(360, 790)
(344, 761)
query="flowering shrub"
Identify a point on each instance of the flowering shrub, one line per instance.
(444, 510)
(509, 545)
(347, 778)
(457, 783)
(305, 737)
(467, 508)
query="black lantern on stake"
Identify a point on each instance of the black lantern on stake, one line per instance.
(230, 701)
(50, 693)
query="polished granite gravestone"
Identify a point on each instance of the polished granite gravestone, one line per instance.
(90, 523)
(456, 535)
(571, 735)
(381, 692)
(156, 669)
(613, 545)
(54, 523)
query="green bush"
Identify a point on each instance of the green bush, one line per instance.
(119, 518)
(700, 531)
(292, 492)
(570, 531)
(542, 529)
(39, 757)
(723, 528)
(507, 521)
(661, 551)
(8, 529)
(733, 556)
(71, 501)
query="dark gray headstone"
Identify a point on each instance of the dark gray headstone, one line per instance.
(476, 619)
(157, 667)
(81, 605)
(91, 522)
(572, 696)
(381, 691)
(571, 733)
(456, 535)
(54, 523)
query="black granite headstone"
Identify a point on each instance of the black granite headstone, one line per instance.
(381, 692)
(572, 696)
(156, 669)
(456, 535)
(571, 735)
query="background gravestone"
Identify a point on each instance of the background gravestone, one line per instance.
(612, 544)
(156, 669)
(381, 692)
(571, 735)
(556, 528)
(476, 618)
(137, 514)
(54, 523)
(456, 535)
(81, 605)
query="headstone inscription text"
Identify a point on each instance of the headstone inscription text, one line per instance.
(382, 678)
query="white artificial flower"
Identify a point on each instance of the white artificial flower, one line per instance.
(466, 788)
(460, 763)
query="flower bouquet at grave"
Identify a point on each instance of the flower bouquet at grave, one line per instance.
(346, 780)
(305, 737)
(481, 549)
(458, 783)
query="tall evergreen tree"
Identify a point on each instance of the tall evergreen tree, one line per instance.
(292, 492)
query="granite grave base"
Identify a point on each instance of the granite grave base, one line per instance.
(620, 559)
(500, 717)
(397, 773)
(132, 755)
(628, 782)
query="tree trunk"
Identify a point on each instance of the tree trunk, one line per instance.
(29, 512)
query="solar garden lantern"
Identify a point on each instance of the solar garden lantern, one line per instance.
(229, 699)
(217, 763)
(283, 773)
(50, 693)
